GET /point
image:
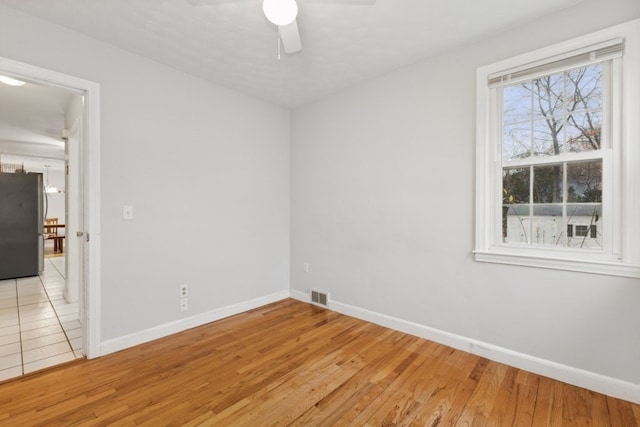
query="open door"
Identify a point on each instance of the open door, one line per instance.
(82, 260)
(74, 209)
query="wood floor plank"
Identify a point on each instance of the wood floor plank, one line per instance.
(623, 413)
(445, 405)
(523, 401)
(506, 400)
(547, 408)
(291, 363)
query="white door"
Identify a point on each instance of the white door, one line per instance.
(74, 258)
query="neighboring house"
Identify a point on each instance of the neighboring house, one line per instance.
(548, 225)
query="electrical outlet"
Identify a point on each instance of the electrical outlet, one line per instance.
(305, 267)
(184, 304)
(184, 291)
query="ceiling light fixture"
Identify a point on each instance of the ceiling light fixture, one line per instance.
(49, 188)
(11, 82)
(280, 12)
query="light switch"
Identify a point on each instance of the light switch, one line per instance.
(127, 212)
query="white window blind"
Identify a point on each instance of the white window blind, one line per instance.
(578, 58)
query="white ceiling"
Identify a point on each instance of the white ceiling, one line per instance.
(31, 121)
(230, 42)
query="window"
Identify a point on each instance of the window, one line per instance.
(581, 230)
(555, 116)
(557, 155)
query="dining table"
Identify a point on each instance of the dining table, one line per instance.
(58, 239)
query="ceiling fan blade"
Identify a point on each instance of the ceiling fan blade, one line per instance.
(290, 37)
(198, 3)
(351, 2)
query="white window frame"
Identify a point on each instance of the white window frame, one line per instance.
(622, 186)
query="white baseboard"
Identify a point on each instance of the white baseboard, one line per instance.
(120, 343)
(568, 374)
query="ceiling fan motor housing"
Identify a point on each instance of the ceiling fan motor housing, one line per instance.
(280, 12)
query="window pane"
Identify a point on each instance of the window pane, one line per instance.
(516, 142)
(547, 137)
(546, 225)
(584, 204)
(549, 95)
(517, 103)
(585, 218)
(515, 186)
(584, 182)
(584, 88)
(583, 131)
(515, 199)
(584, 108)
(515, 223)
(548, 228)
(553, 219)
(547, 184)
(553, 114)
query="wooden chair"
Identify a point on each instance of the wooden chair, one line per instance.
(51, 233)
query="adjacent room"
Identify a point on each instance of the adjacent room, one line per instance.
(327, 212)
(40, 301)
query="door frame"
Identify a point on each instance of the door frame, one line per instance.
(90, 178)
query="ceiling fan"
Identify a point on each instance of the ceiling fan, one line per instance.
(283, 14)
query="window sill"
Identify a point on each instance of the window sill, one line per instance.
(579, 265)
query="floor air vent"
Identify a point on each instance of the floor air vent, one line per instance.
(318, 297)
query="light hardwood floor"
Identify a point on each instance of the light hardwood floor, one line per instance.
(290, 363)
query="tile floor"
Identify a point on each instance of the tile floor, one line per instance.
(38, 329)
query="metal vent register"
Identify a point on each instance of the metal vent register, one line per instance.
(319, 297)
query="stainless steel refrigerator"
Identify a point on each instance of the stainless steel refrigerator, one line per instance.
(21, 225)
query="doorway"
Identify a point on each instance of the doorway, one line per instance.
(78, 260)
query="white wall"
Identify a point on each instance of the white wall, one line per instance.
(383, 211)
(205, 169)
